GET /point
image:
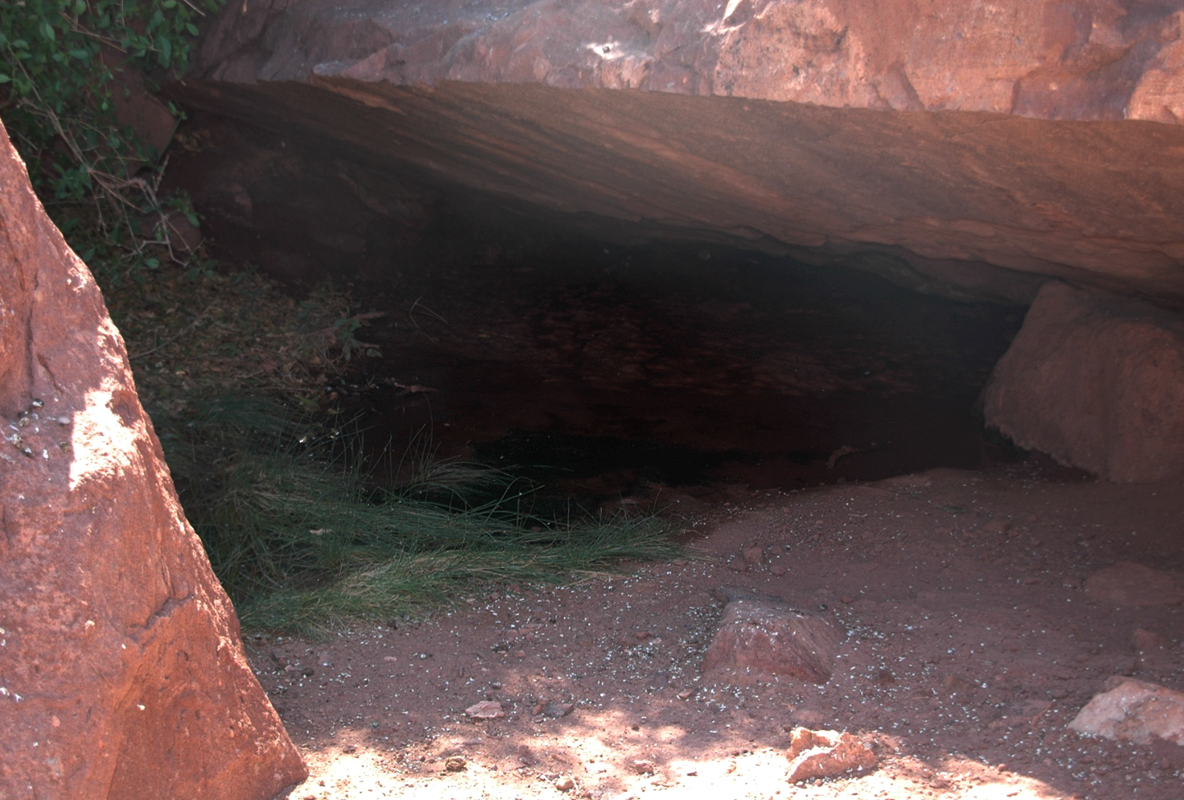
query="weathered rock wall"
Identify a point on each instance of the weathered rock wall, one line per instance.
(943, 143)
(1050, 59)
(122, 674)
(970, 148)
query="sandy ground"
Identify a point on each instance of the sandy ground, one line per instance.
(971, 643)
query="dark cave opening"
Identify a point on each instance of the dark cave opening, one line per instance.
(614, 373)
(606, 359)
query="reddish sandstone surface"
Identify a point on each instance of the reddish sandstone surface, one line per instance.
(122, 674)
(1096, 381)
(952, 146)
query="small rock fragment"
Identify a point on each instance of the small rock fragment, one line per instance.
(643, 766)
(814, 755)
(1144, 639)
(998, 525)
(656, 681)
(486, 709)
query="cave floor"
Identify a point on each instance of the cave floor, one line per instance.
(971, 644)
(814, 441)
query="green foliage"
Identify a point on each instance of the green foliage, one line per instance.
(303, 539)
(58, 65)
(301, 529)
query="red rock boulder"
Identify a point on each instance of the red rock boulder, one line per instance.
(1133, 710)
(826, 754)
(1097, 382)
(122, 674)
(760, 637)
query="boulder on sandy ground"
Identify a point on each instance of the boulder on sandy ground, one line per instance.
(1097, 382)
(765, 636)
(826, 754)
(1129, 584)
(122, 674)
(1133, 710)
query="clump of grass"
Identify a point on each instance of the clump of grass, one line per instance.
(413, 578)
(298, 528)
(304, 540)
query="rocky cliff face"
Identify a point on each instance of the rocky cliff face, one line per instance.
(964, 148)
(122, 674)
(951, 145)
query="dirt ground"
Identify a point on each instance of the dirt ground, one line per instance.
(970, 645)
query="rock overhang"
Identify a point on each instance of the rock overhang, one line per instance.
(953, 149)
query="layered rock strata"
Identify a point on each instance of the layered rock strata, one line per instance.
(953, 146)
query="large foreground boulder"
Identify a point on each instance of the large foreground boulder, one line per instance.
(1097, 382)
(122, 674)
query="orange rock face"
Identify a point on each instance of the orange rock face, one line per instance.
(122, 673)
(953, 146)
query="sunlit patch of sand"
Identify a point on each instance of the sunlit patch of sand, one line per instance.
(351, 770)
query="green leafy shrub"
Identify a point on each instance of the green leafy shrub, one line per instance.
(58, 65)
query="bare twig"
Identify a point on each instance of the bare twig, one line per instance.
(411, 311)
(411, 316)
(358, 317)
(181, 333)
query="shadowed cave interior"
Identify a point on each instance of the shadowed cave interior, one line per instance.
(609, 372)
(606, 361)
